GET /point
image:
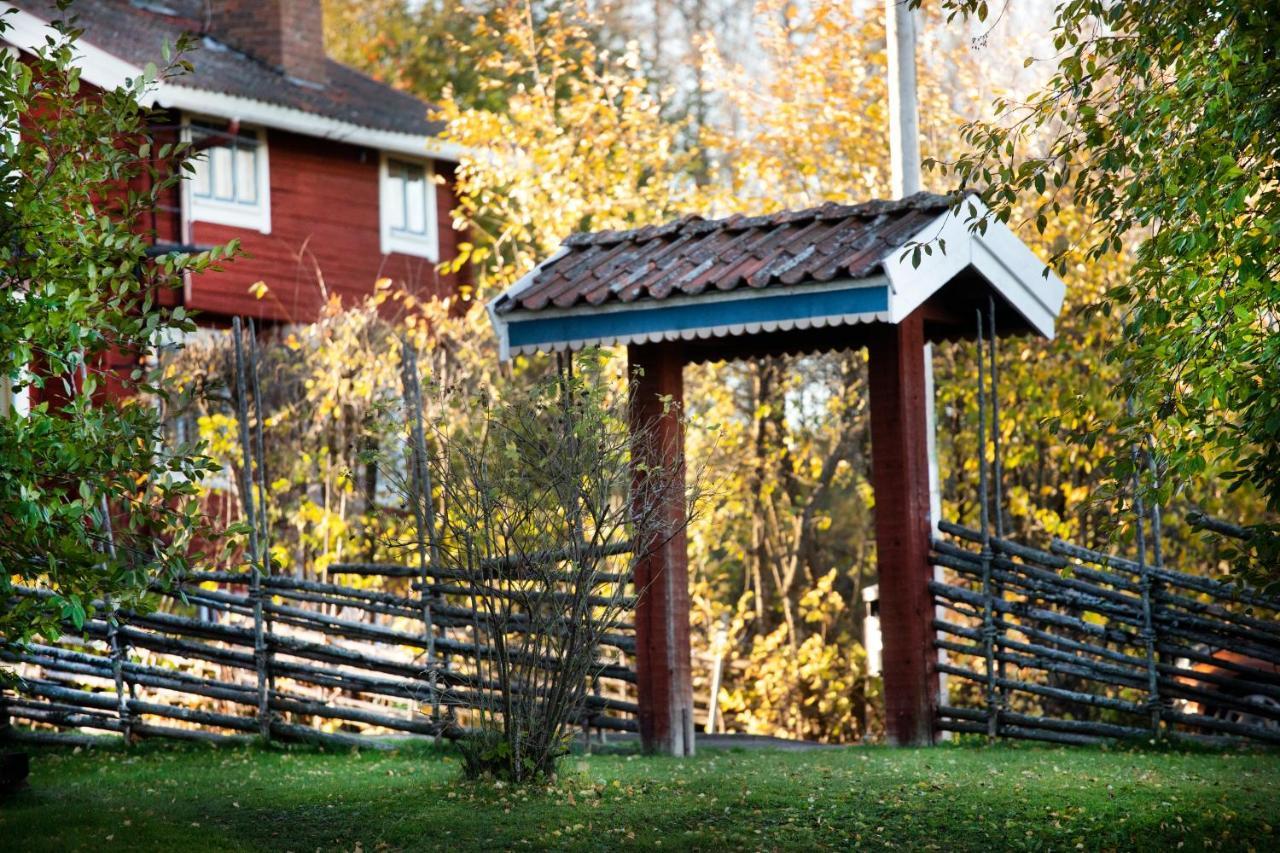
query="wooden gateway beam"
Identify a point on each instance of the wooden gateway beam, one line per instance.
(664, 679)
(900, 477)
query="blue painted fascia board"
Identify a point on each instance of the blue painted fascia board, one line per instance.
(650, 319)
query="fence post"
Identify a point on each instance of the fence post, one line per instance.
(998, 482)
(255, 554)
(264, 523)
(1144, 584)
(423, 510)
(988, 620)
(116, 655)
(1157, 558)
(113, 633)
(264, 520)
(117, 672)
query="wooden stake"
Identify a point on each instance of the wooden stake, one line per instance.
(1149, 638)
(255, 554)
(423, 507)
(264, 519)
(985, 557)
(997, 588)
(113, 636)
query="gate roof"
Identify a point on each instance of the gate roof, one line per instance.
(821, 268)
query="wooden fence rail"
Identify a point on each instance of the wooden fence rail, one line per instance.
(1075, 646)
(333, 655)
(279, 656)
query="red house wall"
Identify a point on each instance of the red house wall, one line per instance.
(324, 229)
(324, 226)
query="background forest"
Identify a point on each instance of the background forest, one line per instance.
(620, 115)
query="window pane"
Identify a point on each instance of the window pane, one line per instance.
(407, 171)
(246, 175)
(223, 185)
(416, 203)
(201, 184)
(200, 135)
(407, 195)
(395, 199)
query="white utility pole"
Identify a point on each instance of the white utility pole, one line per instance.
(904, 113)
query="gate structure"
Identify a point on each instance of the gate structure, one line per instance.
(890, 276)
(1062, 644)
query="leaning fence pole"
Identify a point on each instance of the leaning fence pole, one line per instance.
(1148, 633)
(988, 620)
(423, 510)
(113, 628)
(255, 556)
(123, 691)
(264, 520)
(1157, 525)
(998, 478)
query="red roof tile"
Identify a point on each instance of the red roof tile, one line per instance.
(691, 255)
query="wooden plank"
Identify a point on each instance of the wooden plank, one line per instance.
(900, 476)
(664, 676)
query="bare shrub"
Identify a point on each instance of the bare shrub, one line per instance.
(537, 508)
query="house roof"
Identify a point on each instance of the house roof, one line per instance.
(124, 35)
(825, 266)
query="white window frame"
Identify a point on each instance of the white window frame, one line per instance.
(15, 394)
(15, 391)
(422, 246)
(14, 131)
(256, 217)
(12, 124)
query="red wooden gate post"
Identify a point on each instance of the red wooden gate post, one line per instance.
(663, 673)
(900, 476)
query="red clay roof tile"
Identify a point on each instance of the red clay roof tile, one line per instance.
(689, 255)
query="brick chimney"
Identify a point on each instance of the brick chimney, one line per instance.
(285, 34)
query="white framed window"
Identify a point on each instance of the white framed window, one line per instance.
(232, 180)
(15, 389)
(15, 394)
(10, 127)
(407, 192)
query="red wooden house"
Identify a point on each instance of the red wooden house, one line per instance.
(329, 179)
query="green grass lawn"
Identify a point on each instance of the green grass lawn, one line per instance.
(949, 798)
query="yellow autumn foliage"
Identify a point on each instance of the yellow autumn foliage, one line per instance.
(583, 145)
